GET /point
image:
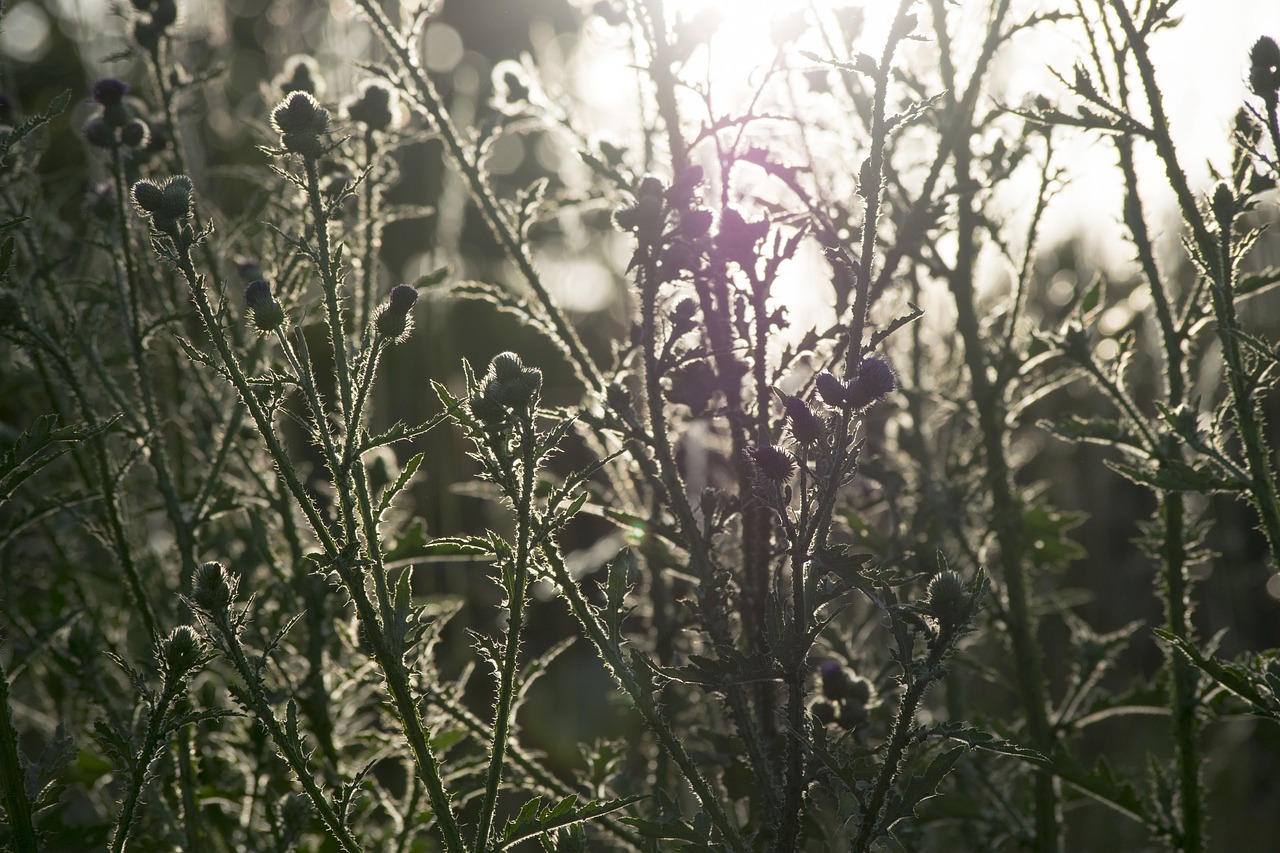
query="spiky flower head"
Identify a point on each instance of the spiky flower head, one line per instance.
(874, 381)
(832, 391)
(181, 651)
(264, 311)
(1264, 69)
(213, 590)
(948, 599)
(806, 427)
(301, 121)
(773, 462)
(375, 106)
(109, 91)
(395, 320)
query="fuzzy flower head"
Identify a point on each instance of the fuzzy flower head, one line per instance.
(301, 73)
(1264, 69)
(109, 91)
(168, 203)
(873, 383)
(806, 427)
(264, 311)
(375, 106)
(301, 122)
(773, 462)
(395, 320)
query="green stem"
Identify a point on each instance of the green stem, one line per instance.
(17, 807)
(1006, 510)
(642, 696)
(287, 747)
(517, 590)
(1183, 683)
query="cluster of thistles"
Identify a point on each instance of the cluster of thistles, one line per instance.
(873, 382)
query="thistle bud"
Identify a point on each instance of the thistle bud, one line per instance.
(301, 121)
(506, 366)
(837, 681)
(832, 391)
(875, 379)
(394, 321)
(948, 599)
(1264, 69)
(98, 132)
(147, 196)
(485, 406)
(212, 590)
(175, 199)
(824, 712)
(135, 134)
(264, 311)
(109, 91)
(806, 427)
(772, 461)
(301, 74)
(181, 651)
(375, 106)
(1223, 207)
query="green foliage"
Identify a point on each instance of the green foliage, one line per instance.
(729, 584)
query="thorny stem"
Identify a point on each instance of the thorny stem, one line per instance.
(871, 190)
(329, 280)
(147, 753)
(643, 696)
(157, 454)
(899, 739)
(17, 807)
(428, 100)
(1263, 486)
(517, 585)
(287, 747)
(1006, 510)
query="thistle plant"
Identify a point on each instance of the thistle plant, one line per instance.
(314, 540)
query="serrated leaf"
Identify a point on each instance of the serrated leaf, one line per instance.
(406, 474)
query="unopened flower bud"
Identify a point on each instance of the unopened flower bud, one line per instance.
(181, 651)
(1264, 69)
(147, 196)
(1224, 204)
(836, 680)
(948, 599)
(301, 74)
(824, 712)
(806, 427)
(98, 132)
(301, 121)
(773, 462)
(212, 590)
(175, 200)
(485, 406)
(506, 366)
(135, 134)
(374, 107)
(109, 91)
(265, 312)
(875, 379)
(832, 391)
(394, 321)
